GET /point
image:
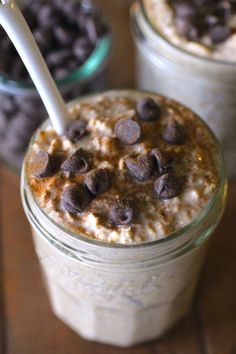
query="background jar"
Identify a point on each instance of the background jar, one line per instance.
(75, 41)
(21, 109)
(206, 86)
(119, 294)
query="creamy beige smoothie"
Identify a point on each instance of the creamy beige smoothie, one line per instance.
(187, 50)
(121, 208)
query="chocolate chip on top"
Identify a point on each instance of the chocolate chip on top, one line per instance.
(148, 109)
(113, 191)
(121, 212)
(78, 162)
(162, 162)
(173, 133)
(219, 33)
(140, 167)
(128, 131)
(75, 130)
(167, 186)
(75, 198)
(97, 181)
(43, 165)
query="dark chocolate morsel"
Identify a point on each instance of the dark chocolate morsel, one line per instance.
(188, 29)
(185, 10)
(75, 130)
(219, 33)
(128, 131)
(48, 16)
(58, 57)
(82, 49)
(148, 109)
(167, 187)
(75, 198)
(64, 36)
(60, 73)
(97, 181)
(43, 165)
(140, 167)
(121, 212)
(211, 20)
(79, 162)
(93, 28)
(162, 162)
(173, 133)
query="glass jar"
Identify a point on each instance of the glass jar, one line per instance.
(121, 294)
(22, 111)
(206, 86)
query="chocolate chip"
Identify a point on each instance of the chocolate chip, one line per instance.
(75, 199)
(60, 73)
(148, 109)
(128, 131)
(167, 187)
(64, 36)
(121, 212)
(70, 9)
(47, 16)
(173, 133)
(188, 29)
(93, 28)
(42, 165)
(140, 167)
(219, 34)
(58, 57)
(97, 181)
(78, 162)
(211, 20)
(75, 130)
(82, 49)
(185, 10)
(162, 162)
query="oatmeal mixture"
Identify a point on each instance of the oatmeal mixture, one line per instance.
(203, 27)
(130, 168)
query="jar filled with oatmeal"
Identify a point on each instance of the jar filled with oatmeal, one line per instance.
(188, 51)
(122, 207)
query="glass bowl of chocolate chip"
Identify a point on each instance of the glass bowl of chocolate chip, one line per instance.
(75, 42)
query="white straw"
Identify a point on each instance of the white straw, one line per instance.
(17, 29)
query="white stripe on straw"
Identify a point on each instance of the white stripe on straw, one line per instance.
(17, 29)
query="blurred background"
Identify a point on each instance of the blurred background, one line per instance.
(27, 325)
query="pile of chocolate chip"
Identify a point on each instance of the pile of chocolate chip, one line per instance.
(66, 32)
(76, 198)
(197, 18)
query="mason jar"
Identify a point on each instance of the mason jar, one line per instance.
(22, 111)
(207, 86)
(122, 294)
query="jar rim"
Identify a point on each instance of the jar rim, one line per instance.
(219, 191)
(96, 59)
(212, 61)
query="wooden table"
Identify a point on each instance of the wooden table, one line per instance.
(27, 325)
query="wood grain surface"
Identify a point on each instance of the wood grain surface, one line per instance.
(27, 325)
